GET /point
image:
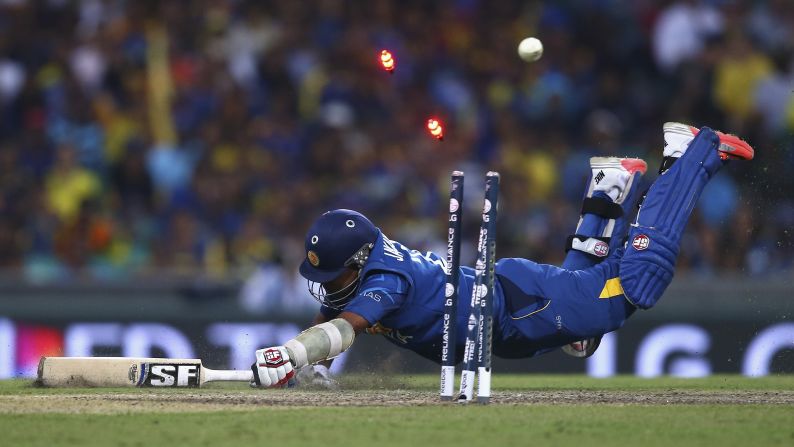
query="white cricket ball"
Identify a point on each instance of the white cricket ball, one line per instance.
(530, 49)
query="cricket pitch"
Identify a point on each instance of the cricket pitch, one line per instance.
(399, 410)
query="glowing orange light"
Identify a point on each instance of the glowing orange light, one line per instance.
(435, 128)
(387, 61)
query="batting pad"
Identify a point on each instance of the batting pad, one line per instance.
(648, 266)
(598, 227)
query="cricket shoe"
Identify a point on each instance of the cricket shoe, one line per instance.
(614, 176)
(677, 137)
(583, 348)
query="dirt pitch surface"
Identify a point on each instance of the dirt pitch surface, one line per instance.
(227, 400)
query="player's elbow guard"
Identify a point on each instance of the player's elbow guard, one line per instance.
(321, 342)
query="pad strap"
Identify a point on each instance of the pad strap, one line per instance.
(334, 338)
(601, 207)
(299, 355)
(597, 247)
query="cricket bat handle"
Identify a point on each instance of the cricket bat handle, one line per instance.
(223, 375)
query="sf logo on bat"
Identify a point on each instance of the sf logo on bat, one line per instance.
(165, 375)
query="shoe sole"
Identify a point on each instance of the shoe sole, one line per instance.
(631, 165)
(731, 146)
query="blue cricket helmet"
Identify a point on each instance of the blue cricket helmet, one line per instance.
(337, 240)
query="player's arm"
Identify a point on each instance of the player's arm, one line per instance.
(318, 374)
(275, 366)
(359, 325)
(319, 344)
(319, 318)
(379, 295)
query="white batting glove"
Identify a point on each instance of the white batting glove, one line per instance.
(273, 368)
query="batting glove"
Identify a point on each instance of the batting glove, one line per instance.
(273, 368)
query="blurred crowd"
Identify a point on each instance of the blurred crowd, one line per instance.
(151, 138)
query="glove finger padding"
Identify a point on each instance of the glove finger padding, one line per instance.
(274, 375)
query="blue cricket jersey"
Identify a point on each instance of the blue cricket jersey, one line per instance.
(402, 297)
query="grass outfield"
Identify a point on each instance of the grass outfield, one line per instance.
(527, 410)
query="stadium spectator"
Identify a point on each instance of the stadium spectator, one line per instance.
(195, 137)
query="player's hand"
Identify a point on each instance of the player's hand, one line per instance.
(272, 368)
(316, 376)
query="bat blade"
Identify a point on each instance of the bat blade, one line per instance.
(119, 372)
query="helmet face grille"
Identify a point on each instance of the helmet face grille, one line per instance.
(335, 300)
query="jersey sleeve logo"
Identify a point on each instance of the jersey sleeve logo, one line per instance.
(375, 296)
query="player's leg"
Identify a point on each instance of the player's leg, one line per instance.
(551, 307)
(648, 263)
(571, 307)
(608, 200)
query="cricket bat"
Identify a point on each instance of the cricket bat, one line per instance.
(131, 372)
